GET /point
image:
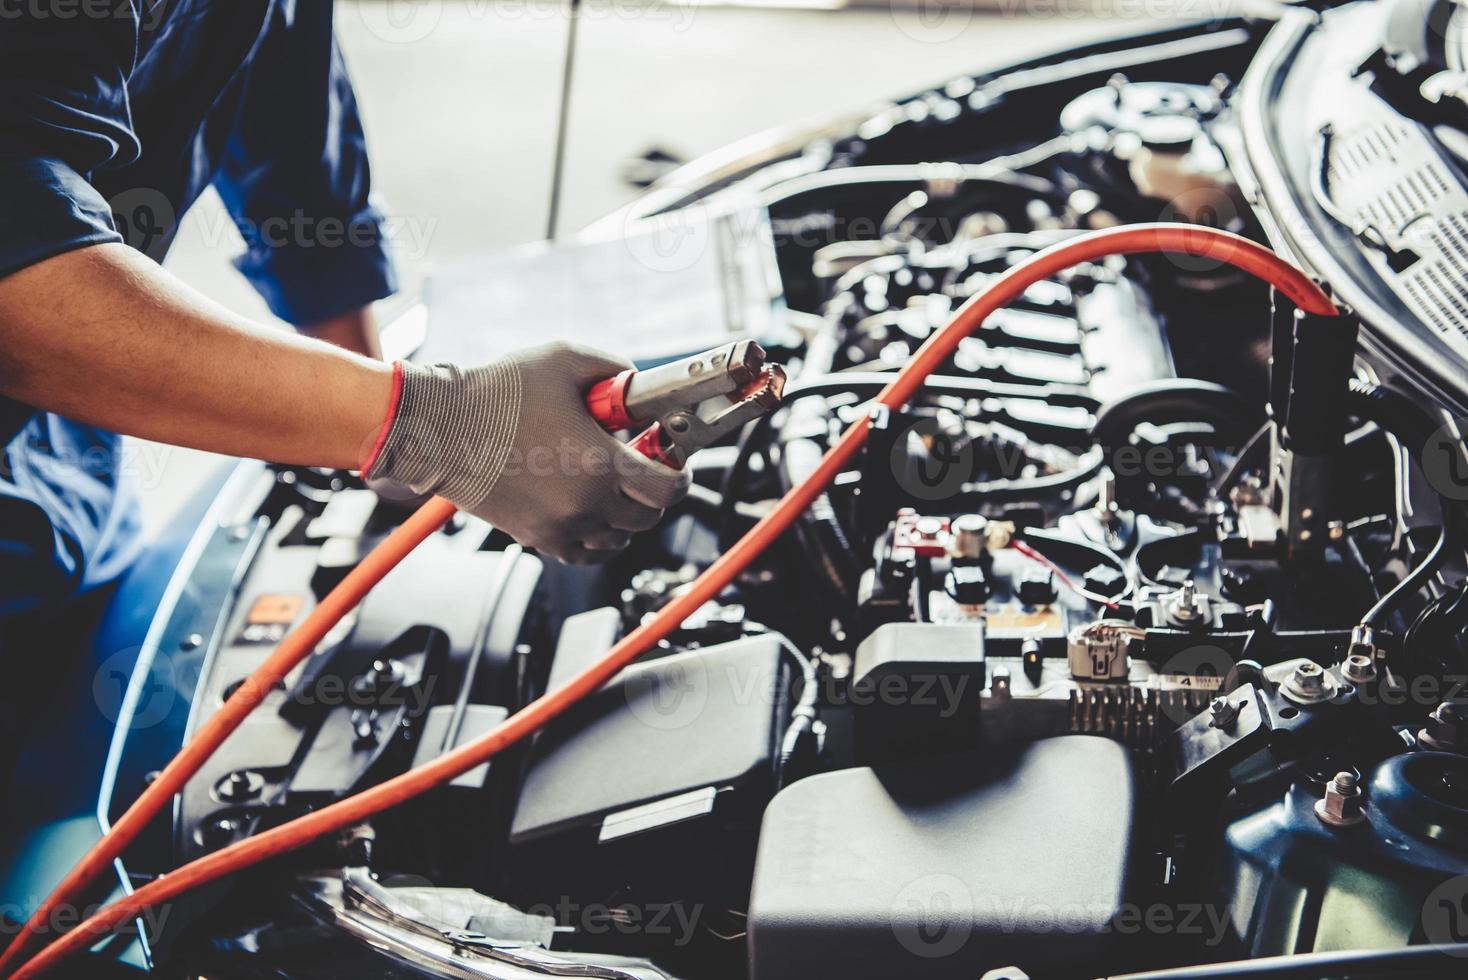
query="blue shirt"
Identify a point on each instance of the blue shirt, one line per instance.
(115, 115)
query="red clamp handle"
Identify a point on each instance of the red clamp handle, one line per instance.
(652, 445)
(607, 402)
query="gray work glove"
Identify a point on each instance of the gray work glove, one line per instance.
(513, 442)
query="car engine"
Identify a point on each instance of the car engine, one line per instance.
(1135, 641)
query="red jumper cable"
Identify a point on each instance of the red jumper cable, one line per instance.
(1192, 240)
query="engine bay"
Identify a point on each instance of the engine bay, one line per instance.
(1134, 641)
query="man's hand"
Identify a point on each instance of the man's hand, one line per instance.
(105, 336)
(514, 443)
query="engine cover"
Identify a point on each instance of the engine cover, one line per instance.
(946, 869)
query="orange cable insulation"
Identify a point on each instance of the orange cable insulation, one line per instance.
(1192, 240)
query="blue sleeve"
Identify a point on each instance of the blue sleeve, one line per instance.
(63, 114)
(296, 177)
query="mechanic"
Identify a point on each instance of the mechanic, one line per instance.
(115, 116)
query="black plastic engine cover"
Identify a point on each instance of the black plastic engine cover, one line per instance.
(947, 869)
(655, 784)
(916, 689)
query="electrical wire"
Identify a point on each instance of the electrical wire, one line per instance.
(1411, 583)
(1258, 442)
(1062, 577)
(803, 714)
(1192, 240)
(1396, 414)
(1433, 634)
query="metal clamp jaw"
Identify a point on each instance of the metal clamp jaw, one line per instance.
(691, 403)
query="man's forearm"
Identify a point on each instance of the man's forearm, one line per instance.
(105, 336)
(355, 331)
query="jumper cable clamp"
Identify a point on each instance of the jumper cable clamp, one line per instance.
(690, 403)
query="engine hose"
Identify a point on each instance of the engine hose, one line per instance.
(1399, 415)
(1192, 240)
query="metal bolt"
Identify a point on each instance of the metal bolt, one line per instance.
(191, 642)
(1360, 669)
(218, 831)
(970, 535)
(1184, 606)
(365, 727)
(1107, 507)
(1447, 727)
(1341, 805)
(386, 673)
(239, 786)
(678, 423)
(1308, 684)
(1224, 712)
